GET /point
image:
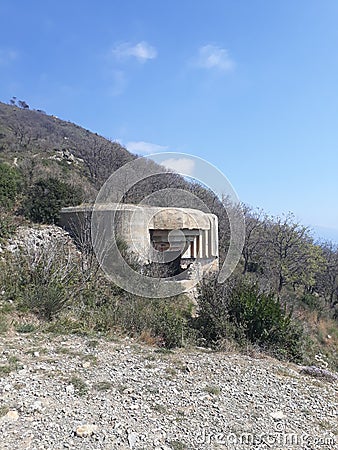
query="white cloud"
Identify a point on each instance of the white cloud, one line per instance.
(144, 148)
(212, 57)
(185, 166)
(7, 56)
(142, 51)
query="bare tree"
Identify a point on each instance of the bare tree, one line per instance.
(102, 158)
(291, 258)
(255, 239)
(327, 280)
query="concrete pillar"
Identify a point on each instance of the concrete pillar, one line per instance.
(204, 237)
(198, 245)
(207, 234)
(210, 236)
(202, 245)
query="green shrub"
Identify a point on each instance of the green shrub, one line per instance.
(25, 328)
(311, 301)
(80, 386)
(213, 320)
(7, 224)
(164, 319)
(46, 300)
(169, 323)
(10, 185)
(266, 322)
(240, 311)
(4, 326)
(41, 280)
(46, 198)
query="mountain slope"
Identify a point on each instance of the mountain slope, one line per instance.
(40, 144)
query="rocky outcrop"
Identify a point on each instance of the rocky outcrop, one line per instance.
(37, 237)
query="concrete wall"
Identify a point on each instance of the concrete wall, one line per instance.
(195, 231)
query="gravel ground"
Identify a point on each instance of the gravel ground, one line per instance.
(69, 392)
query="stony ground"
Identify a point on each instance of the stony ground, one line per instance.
(69, 392)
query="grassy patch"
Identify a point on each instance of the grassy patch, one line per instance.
(5, 370)
(80, 386)
(150, 357)
(13, 361)
(93, 343)
(212, 389)
(150, 366)
(90, 358)
(4, 326)
(170, 371)
(40, 350)
(25, 328)
(13, 364)
(3, 410)
(103, 386)
(163, 351)
(160, 408)
(177, 445)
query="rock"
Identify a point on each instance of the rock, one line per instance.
(278, 415)
(12, 415)
(128, 390)
(37, 406)
(38, 238)
(70, 389)
(86, 430)
(132, 438)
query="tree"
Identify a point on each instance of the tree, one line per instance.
(327, 280)
(46, 198)
(255, 240)
(102, 158)
(292, 258)
(22, 104)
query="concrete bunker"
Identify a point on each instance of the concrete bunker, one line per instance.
(179, 238)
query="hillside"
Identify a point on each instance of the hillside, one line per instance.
(43, 145)
(282, 297)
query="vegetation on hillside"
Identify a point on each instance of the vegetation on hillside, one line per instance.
(241, 312)
(282, 298)
(10, 186)
(46, 198)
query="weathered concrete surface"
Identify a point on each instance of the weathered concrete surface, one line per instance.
(148, 229)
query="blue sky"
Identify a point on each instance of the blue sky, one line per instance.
(249, 85)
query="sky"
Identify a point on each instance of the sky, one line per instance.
(249, 85)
